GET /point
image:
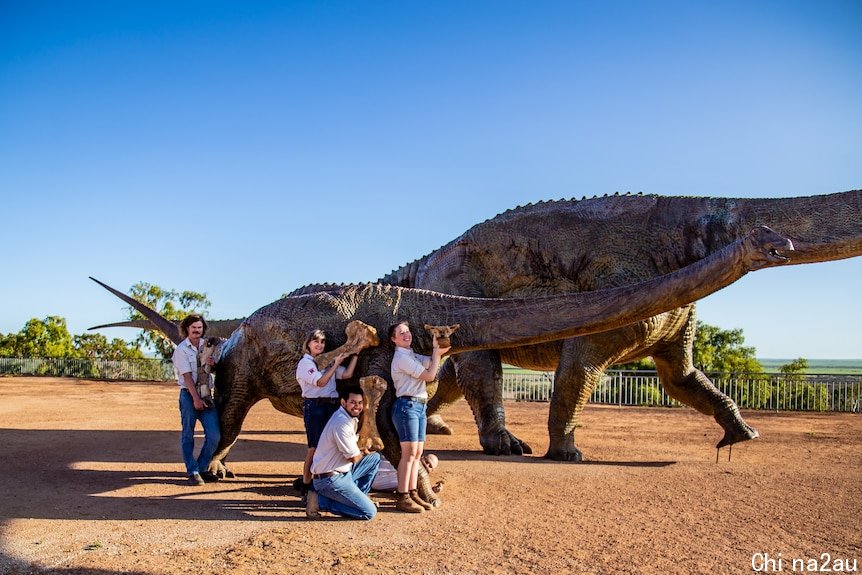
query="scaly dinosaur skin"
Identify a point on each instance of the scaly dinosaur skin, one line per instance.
(561, 246)
(259, 359)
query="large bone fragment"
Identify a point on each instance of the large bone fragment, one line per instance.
(374, 387)
(360, 335)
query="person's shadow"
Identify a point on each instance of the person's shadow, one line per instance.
(81, 474)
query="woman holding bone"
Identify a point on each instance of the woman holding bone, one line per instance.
(410, 373)
(319, 393)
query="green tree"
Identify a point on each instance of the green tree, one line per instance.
(171, 304)
(47, 337)
(643, 364)
(718, 350)
(96, 346)
(796, 392)
(795, 368)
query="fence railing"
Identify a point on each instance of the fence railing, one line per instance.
(124, 369)
(768, 391)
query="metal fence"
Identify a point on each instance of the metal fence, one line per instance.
(125, 369)
(768, 391)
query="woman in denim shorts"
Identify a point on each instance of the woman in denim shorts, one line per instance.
(319, 394)
(410, 372)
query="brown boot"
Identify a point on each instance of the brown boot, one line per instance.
(414, 495)
(405, 503)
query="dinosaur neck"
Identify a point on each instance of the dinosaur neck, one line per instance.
(512, 322)
(822, 228)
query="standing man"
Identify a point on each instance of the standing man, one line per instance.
(342, 474)
(192, 407)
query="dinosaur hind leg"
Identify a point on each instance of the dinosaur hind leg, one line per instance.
(696, 389)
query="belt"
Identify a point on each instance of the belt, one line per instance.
(321, 400)
(414, 398)
(325, 475)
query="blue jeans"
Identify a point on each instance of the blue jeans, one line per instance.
(346, 494)
(316, 415)
(209, 421)
(409, 419)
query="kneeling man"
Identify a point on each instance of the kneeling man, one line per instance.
(342, 474)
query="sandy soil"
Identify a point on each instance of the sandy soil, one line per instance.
(92, 483)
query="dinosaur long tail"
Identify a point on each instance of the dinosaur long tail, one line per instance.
(166, 326)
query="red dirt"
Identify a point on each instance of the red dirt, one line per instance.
(92, 483)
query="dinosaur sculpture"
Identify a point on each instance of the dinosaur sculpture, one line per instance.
(258, 360)
(592, 244)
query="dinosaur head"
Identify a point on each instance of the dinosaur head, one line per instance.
(773, 248)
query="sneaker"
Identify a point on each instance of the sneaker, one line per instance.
(196, 479)
(312, 511)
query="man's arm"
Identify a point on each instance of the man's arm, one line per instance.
(193, 389)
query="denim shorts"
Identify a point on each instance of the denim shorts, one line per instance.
(409, 419)
(315, 415)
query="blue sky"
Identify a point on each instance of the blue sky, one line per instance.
(245, 149)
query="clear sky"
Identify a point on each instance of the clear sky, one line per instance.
(244, 149)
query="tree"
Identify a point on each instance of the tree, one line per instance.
(47, 337)
(796, 367)
(643, 364)
(718, 350)
(170, 304)
(96, 346)
(50, 337)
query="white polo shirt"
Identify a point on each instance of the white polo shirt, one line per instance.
(185, 360)
(407, 366)
(338, 443)
(307, 375)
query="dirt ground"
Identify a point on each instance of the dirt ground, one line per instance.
(92, 482)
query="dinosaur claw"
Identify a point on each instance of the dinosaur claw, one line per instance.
(731, 438)
(501, 442)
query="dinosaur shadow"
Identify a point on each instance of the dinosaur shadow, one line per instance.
(463, 455)
(81, 474)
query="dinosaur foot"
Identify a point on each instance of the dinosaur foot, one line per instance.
(571, 453)
(220, 470)
(737, 435)
(436, 426)
(499, 441)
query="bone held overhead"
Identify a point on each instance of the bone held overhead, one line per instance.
(488, 323)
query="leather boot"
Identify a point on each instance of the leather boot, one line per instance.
(405, 503)
(414, 495)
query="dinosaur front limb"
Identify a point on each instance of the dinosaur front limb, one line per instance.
(574, 383)
(446, 394)
(480, 377)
